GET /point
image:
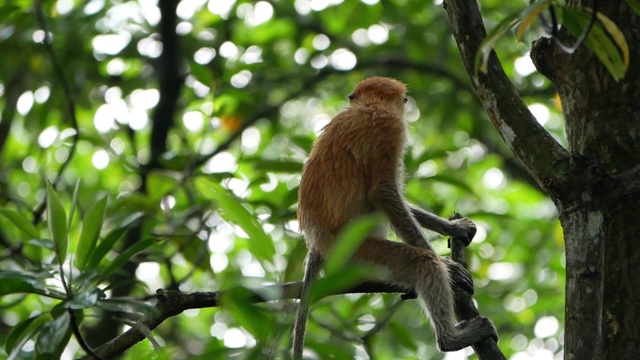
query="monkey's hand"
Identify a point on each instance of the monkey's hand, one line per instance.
(463, 229)
(460, 277)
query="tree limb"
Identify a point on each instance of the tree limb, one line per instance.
(487, 349)
(170, 80)
(530, 142)
(172, 303)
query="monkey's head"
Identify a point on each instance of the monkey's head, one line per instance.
(380, 91)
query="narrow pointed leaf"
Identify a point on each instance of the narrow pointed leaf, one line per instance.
(635, 5)
(107, 243)
(348, 241)
(231, 209)
(91, 225)
(20, 222)
(525, 15)
(52, 334)
(121, 260)
(128, 305)
(74, 203)
(617, 36)
(12, 282)
(21, 333)
(529, 18)
(597, 40)
(57, 223)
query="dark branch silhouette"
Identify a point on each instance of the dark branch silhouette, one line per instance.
(172, 303)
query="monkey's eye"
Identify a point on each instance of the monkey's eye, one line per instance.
(404, 99)
(351, 97)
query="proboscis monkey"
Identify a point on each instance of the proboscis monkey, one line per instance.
(356, 168)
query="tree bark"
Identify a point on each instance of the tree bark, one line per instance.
(594, 184)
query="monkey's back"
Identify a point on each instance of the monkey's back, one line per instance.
(343, 165)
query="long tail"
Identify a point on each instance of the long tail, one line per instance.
(311, 271)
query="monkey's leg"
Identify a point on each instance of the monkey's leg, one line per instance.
(424, 271)
(311, 271)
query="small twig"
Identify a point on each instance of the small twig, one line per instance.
(71, 106)
(487, 349)
(76, 332)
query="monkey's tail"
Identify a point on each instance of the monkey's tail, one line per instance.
(311, 271)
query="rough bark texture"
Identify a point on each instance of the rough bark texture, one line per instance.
(603, 125)
(596, 188)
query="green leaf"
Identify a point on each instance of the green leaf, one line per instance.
(402, 335)
(42, 243)
(617, 36)
(74, 202)
(91, 225)
(160, 185)
(348, 276)
(527, 19)
(21, 333)
(331, 350)
(526, 14)
(348, 241)
(128, 305)
(121, 260)
(482, 56)
(12, 282)
(52, 334)
(231, 209)
(20, 222)
(201, 73)
(250, 316)
(85, 299)
(57, 223)
(635, 5)
(107, 243)
(597, 40)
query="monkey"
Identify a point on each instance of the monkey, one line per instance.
(354, 168)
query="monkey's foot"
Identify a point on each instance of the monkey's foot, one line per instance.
(459, 276)
(468, 333)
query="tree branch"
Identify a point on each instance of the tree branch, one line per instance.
(172, 303)
(170, 80)
(529, 141)
(487, 349)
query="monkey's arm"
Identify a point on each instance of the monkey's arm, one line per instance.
(459, 228)
(387, 198)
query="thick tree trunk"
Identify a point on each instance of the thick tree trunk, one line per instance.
(603, 125)
(595, 184)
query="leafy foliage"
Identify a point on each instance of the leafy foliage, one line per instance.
(599, 34)
(217, 210)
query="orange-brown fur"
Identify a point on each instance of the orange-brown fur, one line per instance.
(361, 144)
(354, 168)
